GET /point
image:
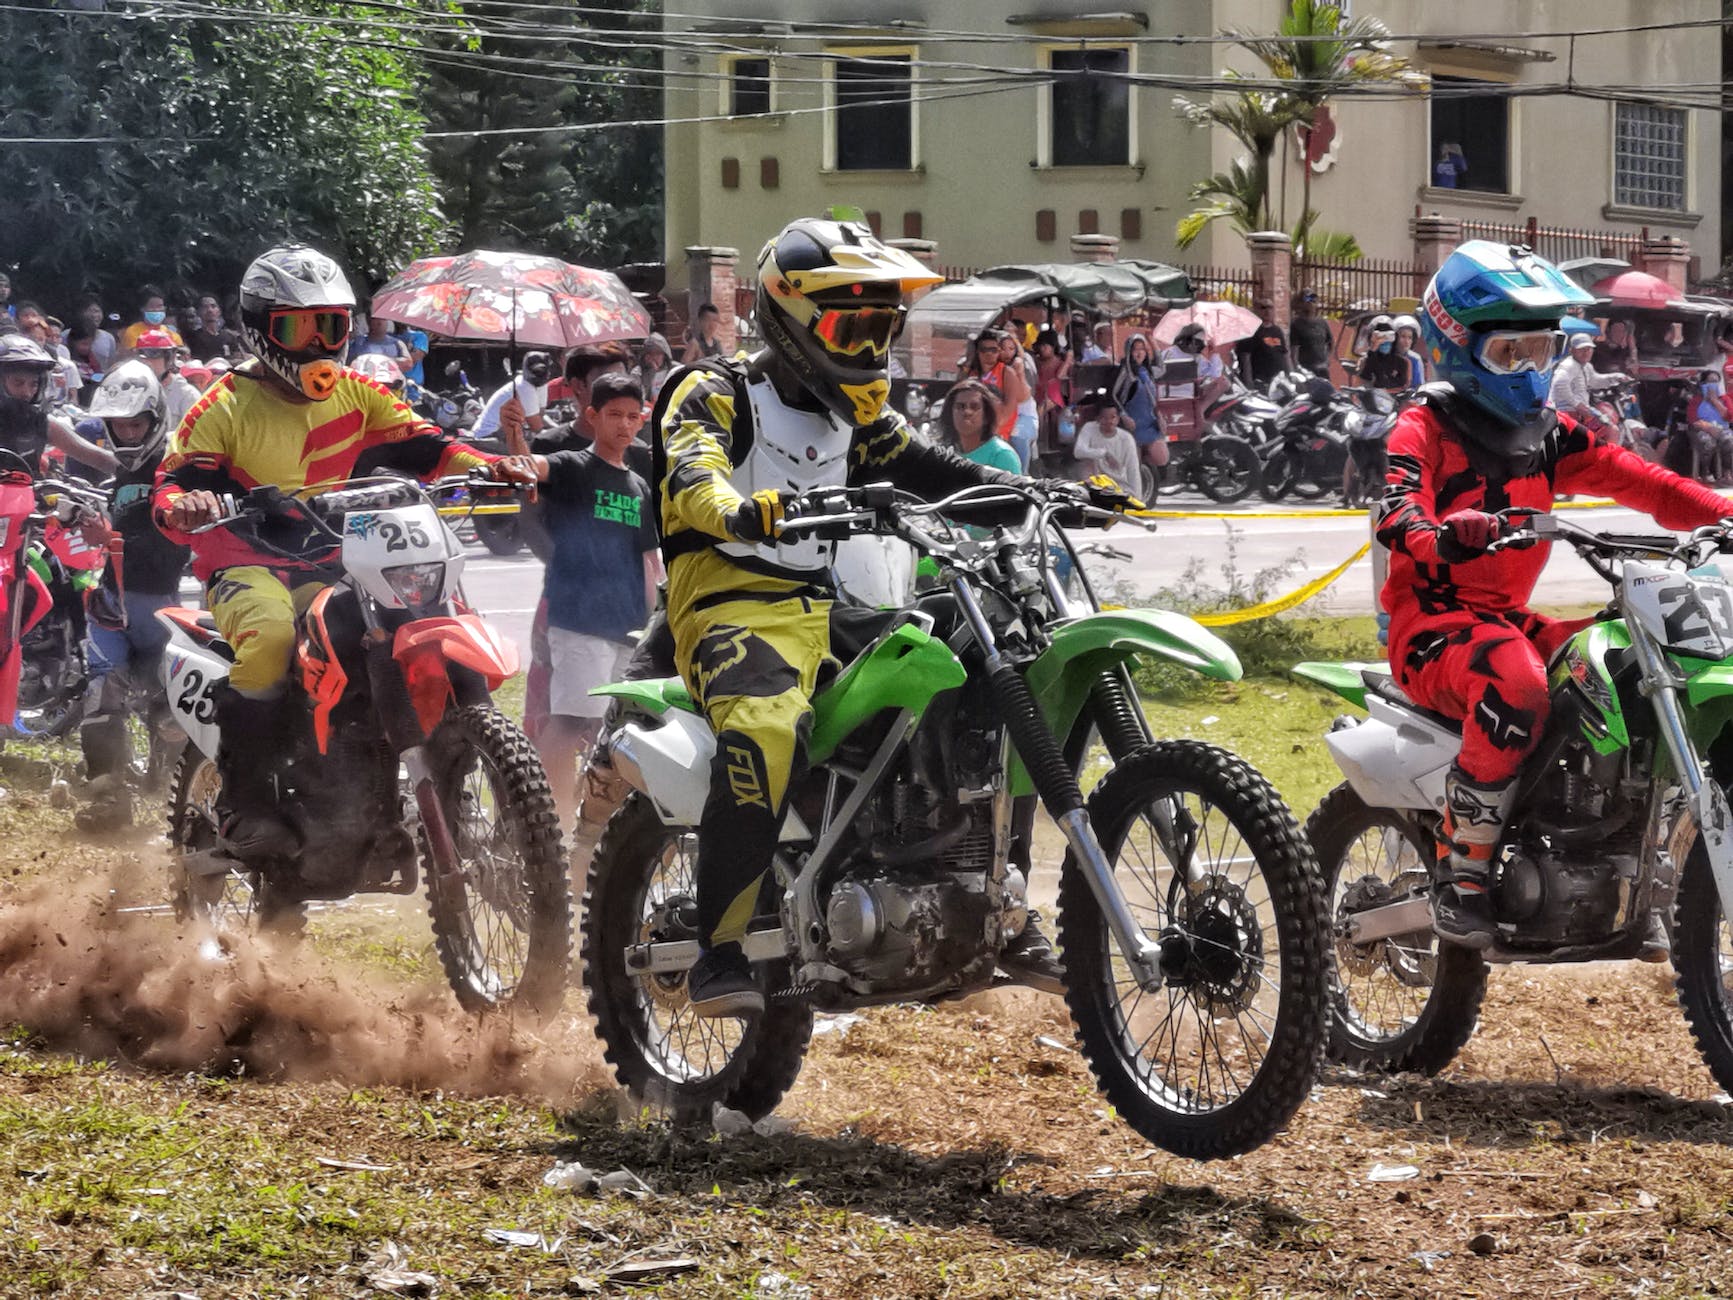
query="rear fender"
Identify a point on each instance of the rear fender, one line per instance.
(1345, 679)
(654, 696)
(424, 648)
(669, 762)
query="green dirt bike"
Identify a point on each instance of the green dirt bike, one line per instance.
(1620, 825)
(1190, 907)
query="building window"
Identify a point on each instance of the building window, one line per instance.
(874, 122)
(748, 87)
(1470, 135)
(1649, 156)
(1089, 120)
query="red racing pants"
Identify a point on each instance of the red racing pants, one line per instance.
(1489, 670)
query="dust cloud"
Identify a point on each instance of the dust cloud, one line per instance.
(145, 990)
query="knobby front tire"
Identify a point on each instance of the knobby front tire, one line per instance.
(1215, 869)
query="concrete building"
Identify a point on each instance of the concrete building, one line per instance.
(939, 117)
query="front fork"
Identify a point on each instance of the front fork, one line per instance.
(1703, 794)
(1057, 785)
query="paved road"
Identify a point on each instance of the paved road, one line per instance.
(507, 589)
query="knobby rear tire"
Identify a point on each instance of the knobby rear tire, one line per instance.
(1447, 1018)
(541, 894)
(762, 1066)
(1295, 1047)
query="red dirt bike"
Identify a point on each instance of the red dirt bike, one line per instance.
(398, 769)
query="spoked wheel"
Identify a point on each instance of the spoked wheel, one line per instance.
(642, 889)
(1216, 871)
(1278, 476)
(1226, 467)
(52, 680)
(1703, 958)
(502, 921)
(230, 900)
(1403, 1003)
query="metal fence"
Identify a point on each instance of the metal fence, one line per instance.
(1343, 287)
(1560, 243)
(1220, 283)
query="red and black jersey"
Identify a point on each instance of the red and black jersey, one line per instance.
(1432, 476)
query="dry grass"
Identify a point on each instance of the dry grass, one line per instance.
(937, 1153)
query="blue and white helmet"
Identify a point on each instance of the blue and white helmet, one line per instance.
(1490, 320)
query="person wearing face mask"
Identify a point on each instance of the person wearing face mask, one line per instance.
(152, 315)
(125, 640)
(1382, 366)
(1463, 640)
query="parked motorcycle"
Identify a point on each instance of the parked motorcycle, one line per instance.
(1310, 446)
(393, 674)
(1222, 466)
(1621, 820)
(1184, 899)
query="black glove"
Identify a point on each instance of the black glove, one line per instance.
(761, 516)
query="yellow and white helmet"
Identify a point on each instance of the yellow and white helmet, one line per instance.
(830, 304)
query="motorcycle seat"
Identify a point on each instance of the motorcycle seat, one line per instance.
(1383, 685)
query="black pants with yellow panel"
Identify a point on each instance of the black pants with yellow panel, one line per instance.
(749, 648)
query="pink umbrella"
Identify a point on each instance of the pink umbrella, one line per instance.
(1223, 322)
(1636, 289)
(512, 297)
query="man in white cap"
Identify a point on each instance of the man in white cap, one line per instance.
(1576, 381)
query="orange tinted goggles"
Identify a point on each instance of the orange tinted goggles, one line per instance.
(296, 329)
(848, 332)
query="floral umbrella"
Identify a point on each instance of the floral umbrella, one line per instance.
(1223, 322)
(512, 297)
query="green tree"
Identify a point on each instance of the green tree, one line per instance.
(589, 194)
(1318, 52)
(1315, 54)
(214, 136)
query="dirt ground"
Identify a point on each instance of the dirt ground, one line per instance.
(179, 1121)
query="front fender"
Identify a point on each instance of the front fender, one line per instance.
(1085, 648)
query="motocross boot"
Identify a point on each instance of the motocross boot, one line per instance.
(721, 984)
(109, 806)
(1467, 845)
(251, 735)
(1031, 957)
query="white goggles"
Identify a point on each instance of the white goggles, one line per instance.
(1511, 352)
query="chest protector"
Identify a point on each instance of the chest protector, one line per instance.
(792, 451)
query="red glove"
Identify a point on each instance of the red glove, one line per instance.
(1467, 533)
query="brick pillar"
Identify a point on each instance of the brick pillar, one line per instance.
(916, 344)
(1095, 248)
(1666, 257)
(710, 277)
(1273, 272)
(1435, 238)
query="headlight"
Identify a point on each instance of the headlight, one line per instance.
(1352, 423)
(416, 585)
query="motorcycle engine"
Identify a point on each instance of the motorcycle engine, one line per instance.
(926, 906)
(1574, 871)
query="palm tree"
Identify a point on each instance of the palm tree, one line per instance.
(1257, 119)
(1237, 194)
(1318, 53)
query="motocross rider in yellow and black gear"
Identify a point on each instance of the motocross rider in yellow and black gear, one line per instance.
(751, 619)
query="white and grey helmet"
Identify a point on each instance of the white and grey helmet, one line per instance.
(296, 308)
(130, 390)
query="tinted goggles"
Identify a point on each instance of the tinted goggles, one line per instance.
(849, 332)
(297, 329)
(1511, 352)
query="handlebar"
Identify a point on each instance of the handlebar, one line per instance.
(1601, 550)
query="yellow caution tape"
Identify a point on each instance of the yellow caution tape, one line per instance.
(460, 511)
(1281, 603)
